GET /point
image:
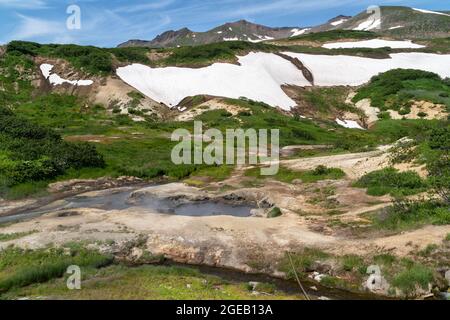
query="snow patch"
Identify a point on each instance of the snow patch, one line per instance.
(258, 77)
(368, 25)
(354, 71)
(298, 32)
(351, 124)
(375, 43)
(338, 22)
(431, 12)
(396, 27)
(253, 40)
(231, 39)
(55, 79)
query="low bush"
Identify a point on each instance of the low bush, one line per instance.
(391, 181)
(274, 213)
(407, 214)
(395, 89)
(32, 153)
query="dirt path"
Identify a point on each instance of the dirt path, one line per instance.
(355, 165)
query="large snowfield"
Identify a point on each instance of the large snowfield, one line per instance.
(261, 75)
(375, 43)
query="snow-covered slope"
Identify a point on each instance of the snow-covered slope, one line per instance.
(374, 43)
(259, 77)
(354, 71)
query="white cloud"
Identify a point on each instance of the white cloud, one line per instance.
(33, 27)
(23, 4)
(146, 6)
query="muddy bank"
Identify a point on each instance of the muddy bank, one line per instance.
(65, 189)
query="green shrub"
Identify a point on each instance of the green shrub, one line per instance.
(405, 214)
(422, 115)
(32, 153)
(23, 47)
(391, 181)
(395, 89)
(274, 213)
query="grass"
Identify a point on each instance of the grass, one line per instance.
(328, 101)
(411, 278)
(335, 35)
(302, 261)
(289, 176)
(391, 181)
(217, 173)
(385, 259)
(447, 238)
(429, 249)
(13, 236)
(19, 268)
(41, 273)
(25, 190)
(353, 263)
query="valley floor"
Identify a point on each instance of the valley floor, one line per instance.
(325, 224)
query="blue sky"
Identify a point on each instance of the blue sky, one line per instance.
(110, 22)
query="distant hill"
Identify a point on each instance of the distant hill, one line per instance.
(236, 31)
(395, 21)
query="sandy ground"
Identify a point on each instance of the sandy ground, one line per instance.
(432, 111)
(214, 104)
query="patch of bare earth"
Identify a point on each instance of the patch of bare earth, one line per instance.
(430, 111)
(213, 104)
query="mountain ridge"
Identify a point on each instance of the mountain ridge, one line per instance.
(396, 21)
